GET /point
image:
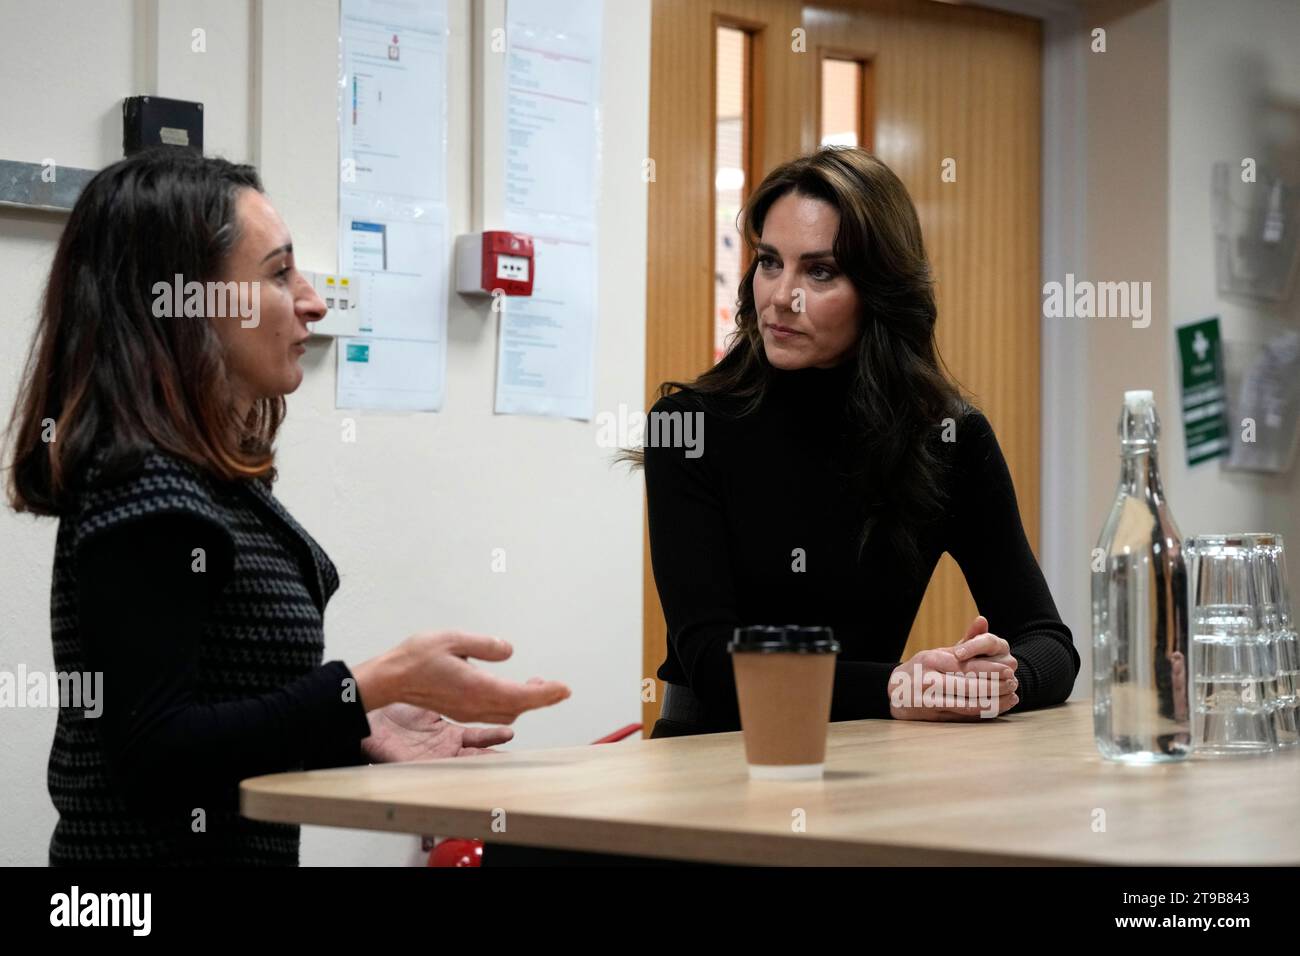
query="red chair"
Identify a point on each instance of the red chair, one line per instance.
(454, 851)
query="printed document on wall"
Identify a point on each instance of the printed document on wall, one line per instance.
(1267, 408)
(393, 236)
(547, 342)
(400, 266)
(546, 354)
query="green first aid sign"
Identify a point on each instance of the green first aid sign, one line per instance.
(1205, 411)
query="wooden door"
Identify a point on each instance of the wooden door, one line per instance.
(947, 89)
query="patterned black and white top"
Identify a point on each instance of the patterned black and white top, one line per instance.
(201, 602)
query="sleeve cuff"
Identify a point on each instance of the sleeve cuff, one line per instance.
(1047, 670)
(861, 690)
(340, 723)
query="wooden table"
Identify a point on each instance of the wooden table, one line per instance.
(1025, 789)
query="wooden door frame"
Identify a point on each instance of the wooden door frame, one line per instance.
(677, 341)
(756, 128)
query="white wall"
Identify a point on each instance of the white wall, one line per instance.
(77, 66)
(1234, 91)
(1182, 83)
(1125, 236)
(411, 511)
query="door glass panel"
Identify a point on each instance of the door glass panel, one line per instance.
(730, 163)
(841, 102)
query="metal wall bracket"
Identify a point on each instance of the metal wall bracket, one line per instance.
(22, 185)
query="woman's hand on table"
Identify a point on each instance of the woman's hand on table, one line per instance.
(400, 732)
(433, 671)
(957, 668)
(978, 642)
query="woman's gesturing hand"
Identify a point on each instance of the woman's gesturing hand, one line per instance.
(405, 732)
(945, 683)
(433, 671)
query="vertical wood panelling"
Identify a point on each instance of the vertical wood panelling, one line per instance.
(679, 280)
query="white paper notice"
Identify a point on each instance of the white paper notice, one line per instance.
(545, 353)
(385, 373)
(1267, 409)
(547, 344)
(392, 201)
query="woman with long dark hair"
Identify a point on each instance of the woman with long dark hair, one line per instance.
(838, 461)
(171, 328)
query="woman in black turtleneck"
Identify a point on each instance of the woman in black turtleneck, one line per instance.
(831, 462)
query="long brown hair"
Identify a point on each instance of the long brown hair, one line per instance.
(106, 379)
(901, 391)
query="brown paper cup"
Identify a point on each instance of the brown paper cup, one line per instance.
(784, 679)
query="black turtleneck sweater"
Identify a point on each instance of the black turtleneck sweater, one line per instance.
(762, 527)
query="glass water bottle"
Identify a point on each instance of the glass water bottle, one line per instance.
(1139, 608)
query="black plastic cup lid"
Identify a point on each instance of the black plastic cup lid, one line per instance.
(783, 639)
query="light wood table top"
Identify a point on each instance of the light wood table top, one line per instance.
(1025, 789)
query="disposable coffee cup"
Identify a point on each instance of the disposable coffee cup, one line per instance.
(784, 677)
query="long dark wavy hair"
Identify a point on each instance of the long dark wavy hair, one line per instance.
(901, 391)
(104, 375)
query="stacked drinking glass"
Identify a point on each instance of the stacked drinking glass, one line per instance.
(1243, 646)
